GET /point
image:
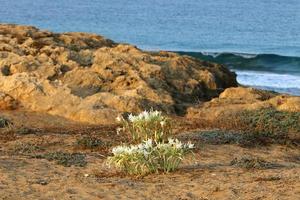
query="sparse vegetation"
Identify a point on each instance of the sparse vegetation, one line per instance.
(260, 127)
(265, 122)
(249, 162)
(65, 159)
(272, 122)
(25, 131)
(248, 139)
(27, 148)
(217, 137)
(5, 123)
(89, 142)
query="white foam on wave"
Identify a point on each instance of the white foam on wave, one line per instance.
(277, 82)
(246, 55)
(216, 54)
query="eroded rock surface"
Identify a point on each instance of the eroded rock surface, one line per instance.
(88, 78)
(237, 99)
(7, 102)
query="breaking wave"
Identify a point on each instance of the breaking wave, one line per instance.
(267, 71)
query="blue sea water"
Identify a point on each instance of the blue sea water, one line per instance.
(255, 28)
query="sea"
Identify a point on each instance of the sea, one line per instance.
(258, 39)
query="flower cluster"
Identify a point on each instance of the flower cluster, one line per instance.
(150, 156)
(146, 125)
(179, 145)
(147, 146)
(156, 152)
(144, 116)
(132, 149)
(147, 116)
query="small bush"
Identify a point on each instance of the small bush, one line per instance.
(217, 137)
(25, 131)
(65, 159)
(88, 142)
(147, 125)
(149, 156)
(5, 123)
(25, 148)
(248, 162)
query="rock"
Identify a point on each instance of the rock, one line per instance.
(286, 103)
(246, 94)
(88, 78)
(7, 102)
(234, 100)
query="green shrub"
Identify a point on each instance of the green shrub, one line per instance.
(266, 122)
(149, 156)
(147, 125)
(5, 123)
(65, 159)
(88, 142)
(272, 122)
(249, 162)
(26, 148)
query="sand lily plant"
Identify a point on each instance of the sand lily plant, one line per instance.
(147, 125)
(149, 156)
(156, 152)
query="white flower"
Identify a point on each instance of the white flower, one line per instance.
(119, 119)
(131, 117)
(160, 146)
(148, 143)
(178, 144)
(146, 153)
(141, 146)
(133, 149)
(146, 116)
(119, 130)
(119, 150)
(190, 145)
(162, 123)
(171, 141)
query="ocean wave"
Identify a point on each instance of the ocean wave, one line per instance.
(254, 62)
(264, 71)
(216, 55)
(283, 83)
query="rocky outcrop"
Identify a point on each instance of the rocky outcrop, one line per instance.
(234, 100)
(88, 78)
(246, 95)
